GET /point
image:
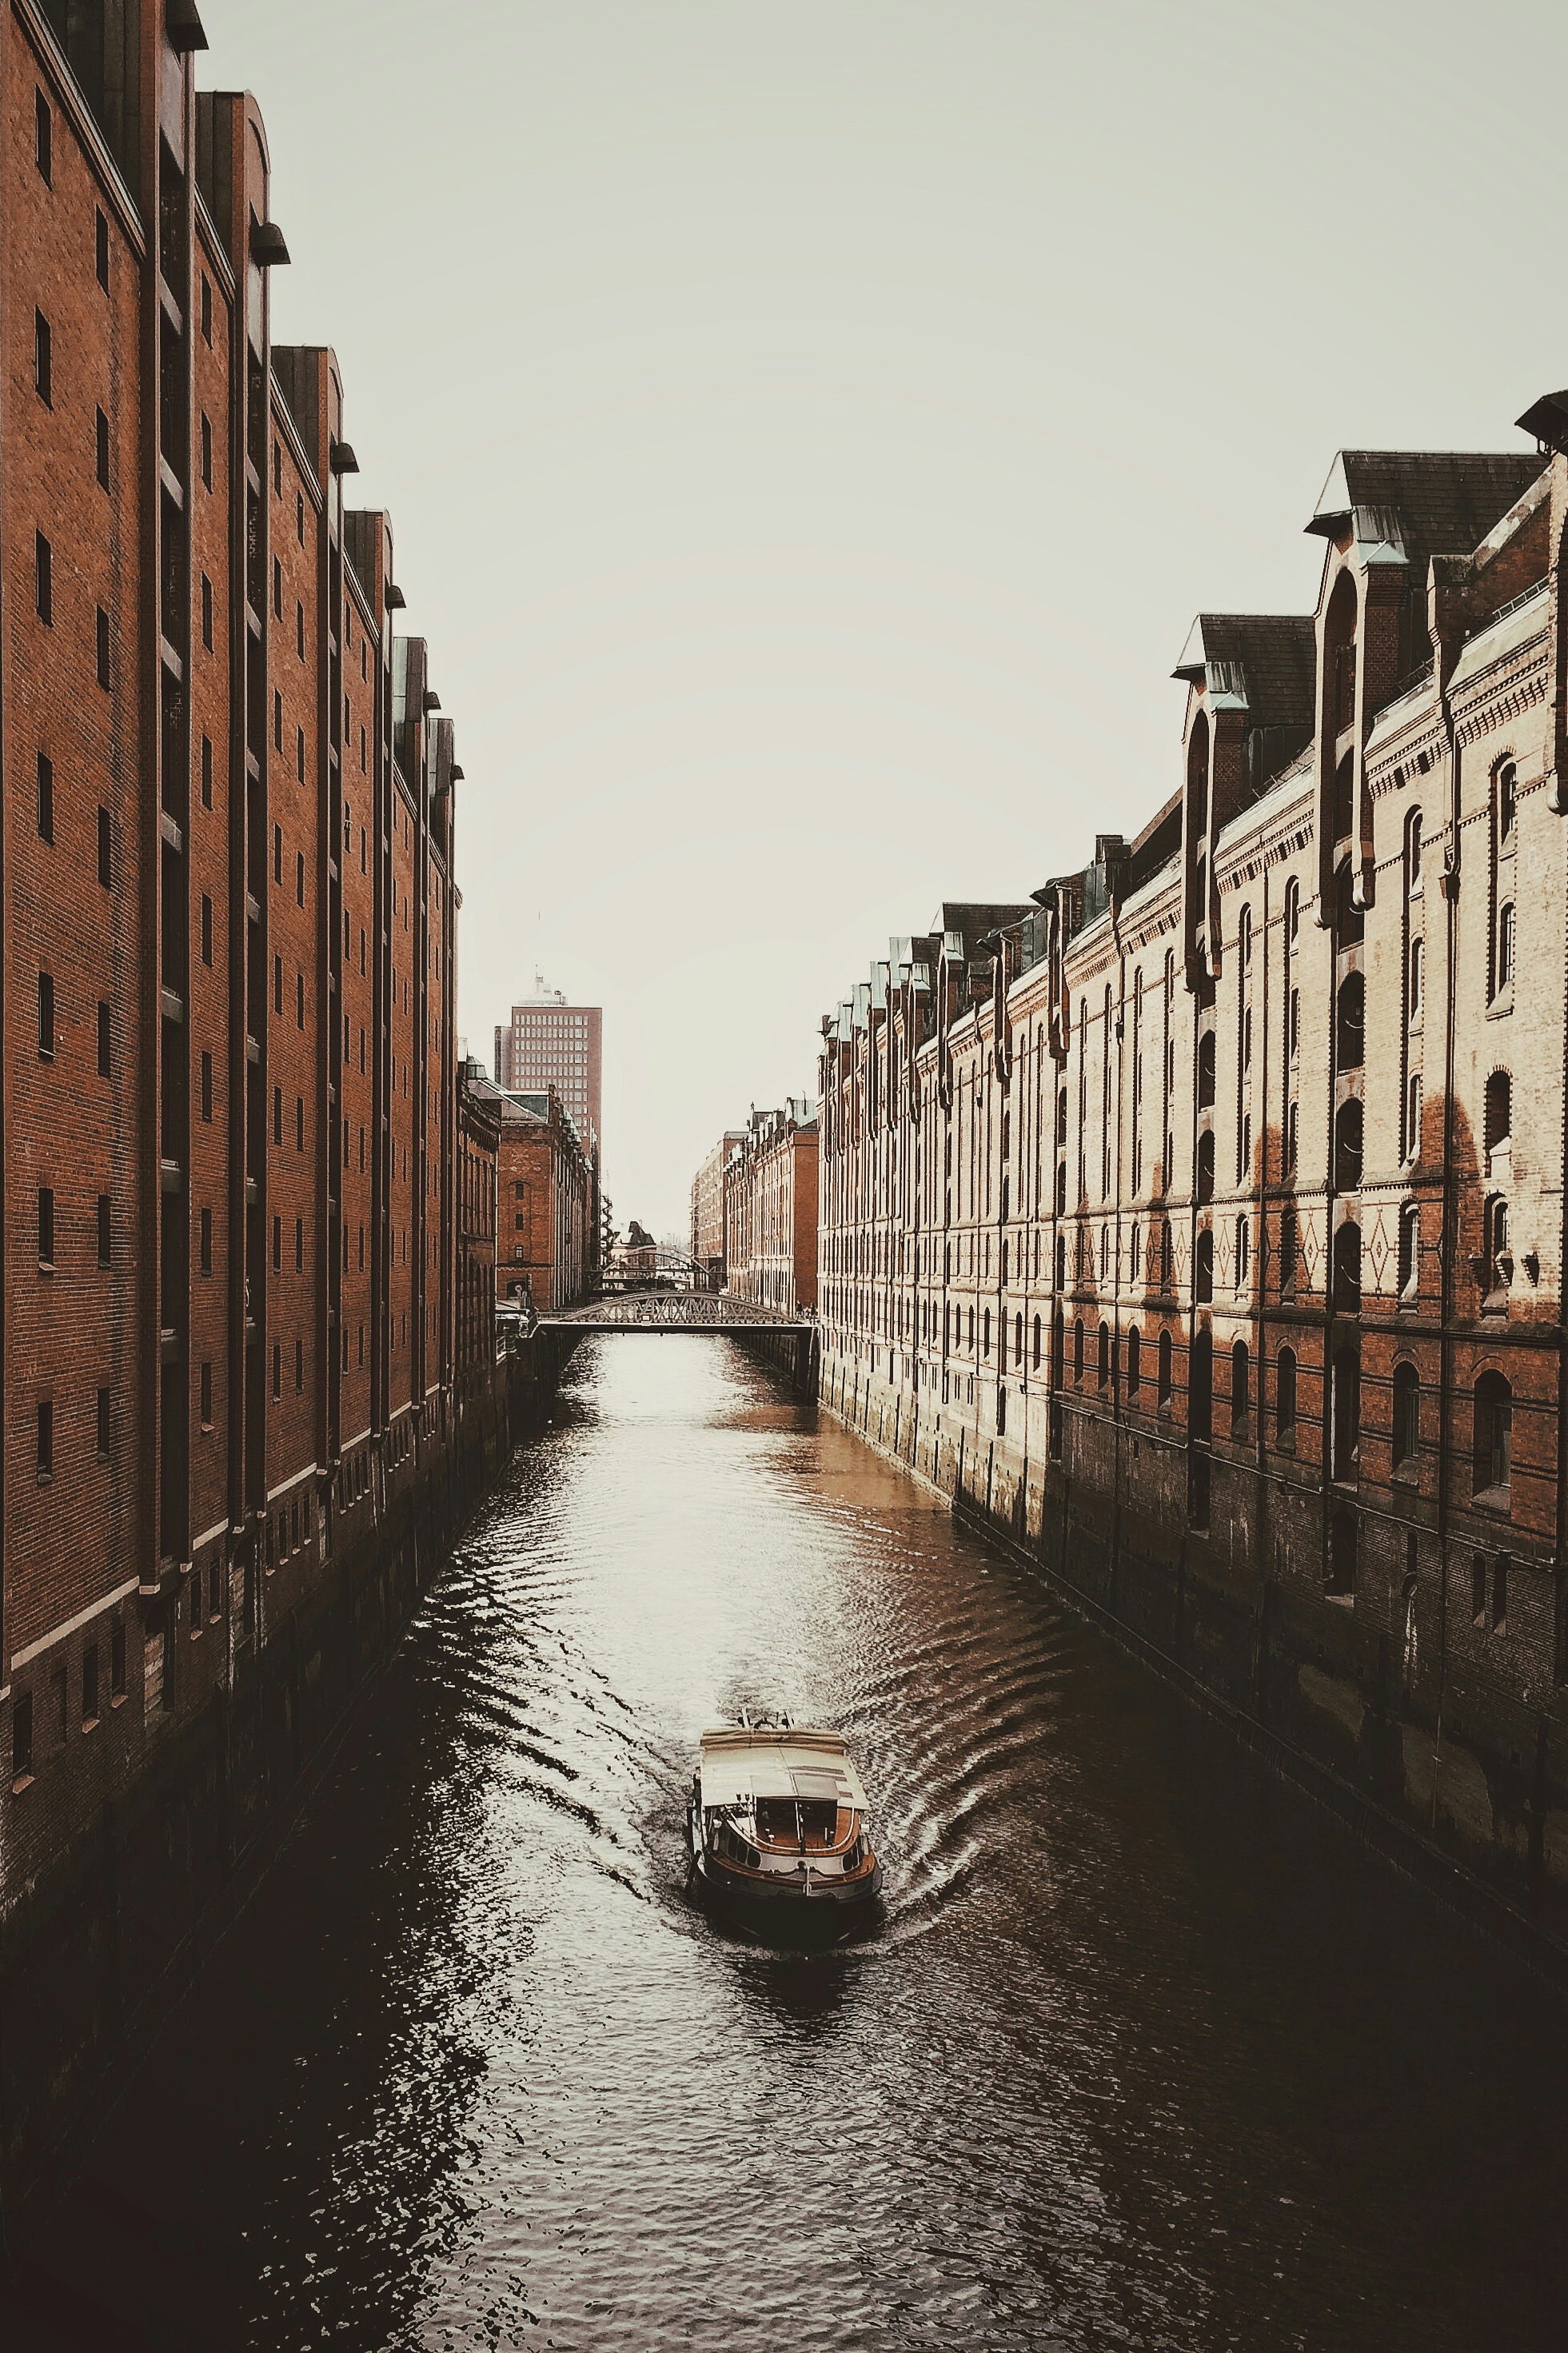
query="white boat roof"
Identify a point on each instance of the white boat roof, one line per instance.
(741, 1764)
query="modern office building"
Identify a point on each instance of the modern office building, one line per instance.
(546, 1043)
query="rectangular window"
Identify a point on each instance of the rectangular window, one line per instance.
(276, 721)
(276, 1114)
(206, 929)
(90, 1686)
(100, 248)
(207, 1396)
(207, 613)
(105, 1231)
(206, 449)
(46, 1225)
(300, 877)
(102, 649)
(276, 1245)
(46, 1437)
(207, 1258)
(103, 1040)
(102, 446)
(299, 753)
(206, 772)
(277, 589)
(104, 1425)
(43, 359)
(46, 797)
(299, 628)
(277, 984)
(105, 851)
(44, 577)
(22, 1737)
(43, 138)
(46, 1016)
(206, 307)
(206, 1086)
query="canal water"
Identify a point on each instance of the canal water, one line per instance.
(1145, 2054)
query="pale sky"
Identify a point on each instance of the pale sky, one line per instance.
(809, 429)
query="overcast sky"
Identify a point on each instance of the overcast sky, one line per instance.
(809, 429)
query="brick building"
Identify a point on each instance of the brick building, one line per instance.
(479, 1179)
(1203, 1219)
(544, 1043)
(228, 914)
(770, 1209)
(547, 1194)
(707, 1209)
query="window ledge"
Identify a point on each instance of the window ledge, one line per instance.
(23, 1781)
(90, 1724)
(1498, 1500)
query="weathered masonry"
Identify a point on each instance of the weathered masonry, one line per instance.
(1200, 1218)
(239, 1404)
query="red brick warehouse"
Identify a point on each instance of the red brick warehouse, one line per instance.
(229, 916)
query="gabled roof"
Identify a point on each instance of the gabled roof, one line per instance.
(1265, 661)
(1405, 505)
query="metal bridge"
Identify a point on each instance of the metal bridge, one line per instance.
(678, 1311)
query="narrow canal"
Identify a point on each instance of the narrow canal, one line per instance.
(1145, 2054)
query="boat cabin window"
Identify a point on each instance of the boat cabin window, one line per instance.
(797, 1821)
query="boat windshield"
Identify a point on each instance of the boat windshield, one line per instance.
(796, 1821)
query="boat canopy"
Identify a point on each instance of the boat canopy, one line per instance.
(741, 1765)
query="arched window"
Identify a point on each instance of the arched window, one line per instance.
(1001, 1413)
(1285, 1397)
(1061, 1266)
(1135, 1253)
(1347, 1269)
(1505, 945)
(1162, 1356)
(1409, 1250)
(1102, 1366)
(1348, 1145)
(1499, 1127)
(1292, 915)
(1240, 1389)
(1243, 1250)
(1498, 1259)
(1244, 938)
(1134, 1362)
(1346, 1433)
(1203, 1269)
(1206, 1166)
(1018, 1338)
(1505, 800)
(1407, 1416)
(1205, 1069)
(1344, 796)
(1036, 1348)
(1413, 1116)
(1493, 1439)
(1350, 1027)
(1415, 980)
(1413, 854)
(987, 1335)
(1078, 1349)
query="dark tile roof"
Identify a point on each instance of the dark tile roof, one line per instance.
(1274, 653)
(1447, 501)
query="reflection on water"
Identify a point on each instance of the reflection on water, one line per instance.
(1144, 2053)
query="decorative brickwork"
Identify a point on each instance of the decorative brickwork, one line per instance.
(1201, 1219)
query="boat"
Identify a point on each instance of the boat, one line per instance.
(778, 1826)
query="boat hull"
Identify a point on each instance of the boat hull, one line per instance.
(786, 1907)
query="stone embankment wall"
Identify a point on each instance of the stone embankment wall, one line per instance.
(1461, 1784)
(103, 1942)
